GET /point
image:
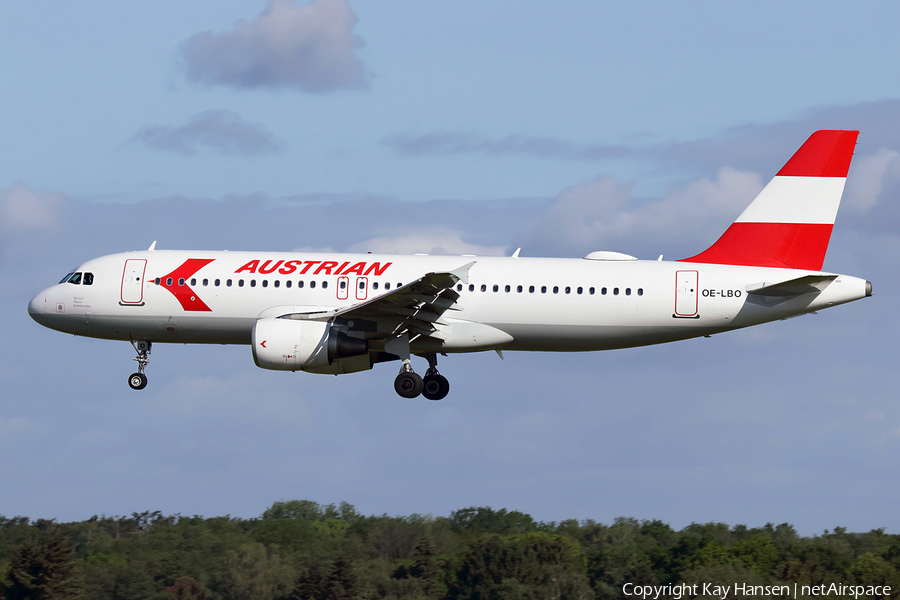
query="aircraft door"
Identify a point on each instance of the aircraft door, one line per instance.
(686, 294)
(132, 290)
(342, 291)
(362, 288)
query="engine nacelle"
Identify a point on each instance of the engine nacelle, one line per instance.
(299, 345)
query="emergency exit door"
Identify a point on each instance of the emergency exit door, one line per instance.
(686, 294)
(133, 281)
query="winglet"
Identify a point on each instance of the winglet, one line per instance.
(462, 273)
(516, 253)
(152, 247)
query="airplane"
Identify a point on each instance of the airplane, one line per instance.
(343, 313)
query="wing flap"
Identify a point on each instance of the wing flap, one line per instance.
(419, 304)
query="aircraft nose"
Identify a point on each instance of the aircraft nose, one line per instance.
(37, 306)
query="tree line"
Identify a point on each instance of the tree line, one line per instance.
(299, 549)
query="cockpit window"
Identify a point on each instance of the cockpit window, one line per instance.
(66, 278)
(88, 279)
(75, 278)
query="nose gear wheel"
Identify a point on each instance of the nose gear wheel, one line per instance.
(138, 381)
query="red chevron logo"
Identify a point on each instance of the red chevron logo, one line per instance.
(176, 283)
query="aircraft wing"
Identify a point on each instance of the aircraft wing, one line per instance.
(419, 304)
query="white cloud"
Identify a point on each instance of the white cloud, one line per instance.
(221, 130)
(441, 241)
(23, 209)
(596, 213)
(310, 47)
(868, 178)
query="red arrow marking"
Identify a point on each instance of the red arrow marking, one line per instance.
(263, 343)
(183, 293)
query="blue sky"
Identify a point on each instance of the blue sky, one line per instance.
(459, 128)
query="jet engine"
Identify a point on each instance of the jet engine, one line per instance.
(300, 345)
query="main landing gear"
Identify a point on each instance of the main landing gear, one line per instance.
(138, 381)
(433, 386)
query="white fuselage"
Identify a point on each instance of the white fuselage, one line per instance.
(509, 303)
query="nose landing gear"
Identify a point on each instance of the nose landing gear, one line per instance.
(138, 381)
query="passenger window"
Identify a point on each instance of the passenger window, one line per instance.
(228, 283)
(181, 281)
(287, 283)
(471, 287)
(240, 283)
(66, 278)
(591, 291)
(300, 284)
(579, 290)
(205, 282)
(568, 290)
(343, 284)
(375, 286)
(312, 284)
(519, 288)
(265, 282)
(362, 285)
(483, 287)
(168, 281)
(543, 289)
(194, 281)
(277, 283)
(458, 287)
(218, 281)
(324, 284)
(627, 291)
(640, 291)
(530, 289)
(387, 285)
(615, 291)
(496, 288)
(156, 281)
(89, 279)
(507, 289)
(555, 289)
(75, 279)
(603, 291)
(252, 283)
(398, 285)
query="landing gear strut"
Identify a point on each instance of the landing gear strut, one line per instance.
(138, 381)
(436, 386)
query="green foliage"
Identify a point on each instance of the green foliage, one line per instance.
(46, 571)
(300, 549)
(486, 520)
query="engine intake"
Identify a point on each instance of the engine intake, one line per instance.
(293, 345)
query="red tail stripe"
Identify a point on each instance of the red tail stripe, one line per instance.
(825, 154)
(780, 245)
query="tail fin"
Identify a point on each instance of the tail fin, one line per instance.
(789, 223)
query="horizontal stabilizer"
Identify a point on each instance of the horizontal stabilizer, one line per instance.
(810, 284)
